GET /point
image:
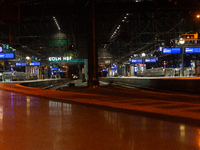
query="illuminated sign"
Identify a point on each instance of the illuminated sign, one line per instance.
(1, 49)
(105, 70)
(34, 64)
(7, 55)
(192, 49)
(57, 43)
(54, 69)
(150, 60)
(171, 50)
(20, 64)
(160, 49)
(114, 67)
(136, 60)
(189, 36)
(5, 46)
(59, 58)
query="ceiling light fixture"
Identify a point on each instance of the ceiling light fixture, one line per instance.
(56, 22)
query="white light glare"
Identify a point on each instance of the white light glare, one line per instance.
(127, 14)
(28, 58)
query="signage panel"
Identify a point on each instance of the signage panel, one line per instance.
(150, 60)
(20, 64)
(54, 69)
(136, 60)
(1, 49)
(34, 64)
(171, 50)
(7, 55)
(192, 49)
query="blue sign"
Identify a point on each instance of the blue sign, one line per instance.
(105, 70)
(7, 55)
(150, 60)
(136, 60)
(34, 64)
(192, 49)
(54, 69)
(160, 49)
(20, 64)
(114, 67)
(62, 71)
(171, 50)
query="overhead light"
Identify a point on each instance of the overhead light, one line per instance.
(123, 20)
(28, 58)
(125, 17)
(56, 23)
(143, 54)
(127, 14)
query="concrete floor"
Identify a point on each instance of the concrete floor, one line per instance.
(36, 119)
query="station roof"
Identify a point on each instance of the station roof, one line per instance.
(123, 27)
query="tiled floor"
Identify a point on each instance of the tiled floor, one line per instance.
(44, 119)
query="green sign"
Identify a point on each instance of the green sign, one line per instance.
(57, 43)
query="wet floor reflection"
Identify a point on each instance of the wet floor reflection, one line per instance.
(34, 123)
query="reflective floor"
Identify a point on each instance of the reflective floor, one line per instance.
(31, 123)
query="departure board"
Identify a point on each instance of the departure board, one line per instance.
(171, 50)
(192, 49)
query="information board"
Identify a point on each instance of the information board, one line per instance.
(150, 60)
(54, 69)
(192, 49)
(171, 50)
(20, 64)
(34, 64)
(136, 60)
(7, 55)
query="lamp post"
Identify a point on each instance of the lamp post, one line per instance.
(182, 42)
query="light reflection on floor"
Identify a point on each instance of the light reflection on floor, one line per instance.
(31, 123)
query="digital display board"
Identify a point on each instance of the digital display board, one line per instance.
(150, 60)
(7, 55)
(136, 60)
(192, 49)
(114, 67)
(34, 64)
(171, 50)
(54, 69)
(20, 64)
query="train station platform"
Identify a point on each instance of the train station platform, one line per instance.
(177, 106)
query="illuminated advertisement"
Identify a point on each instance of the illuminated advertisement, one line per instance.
(192, 49)
(7, 55)
(20, 64)
(34, 64)
(171, 50)
(136, 60)
(1, 49)
(150, 60)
